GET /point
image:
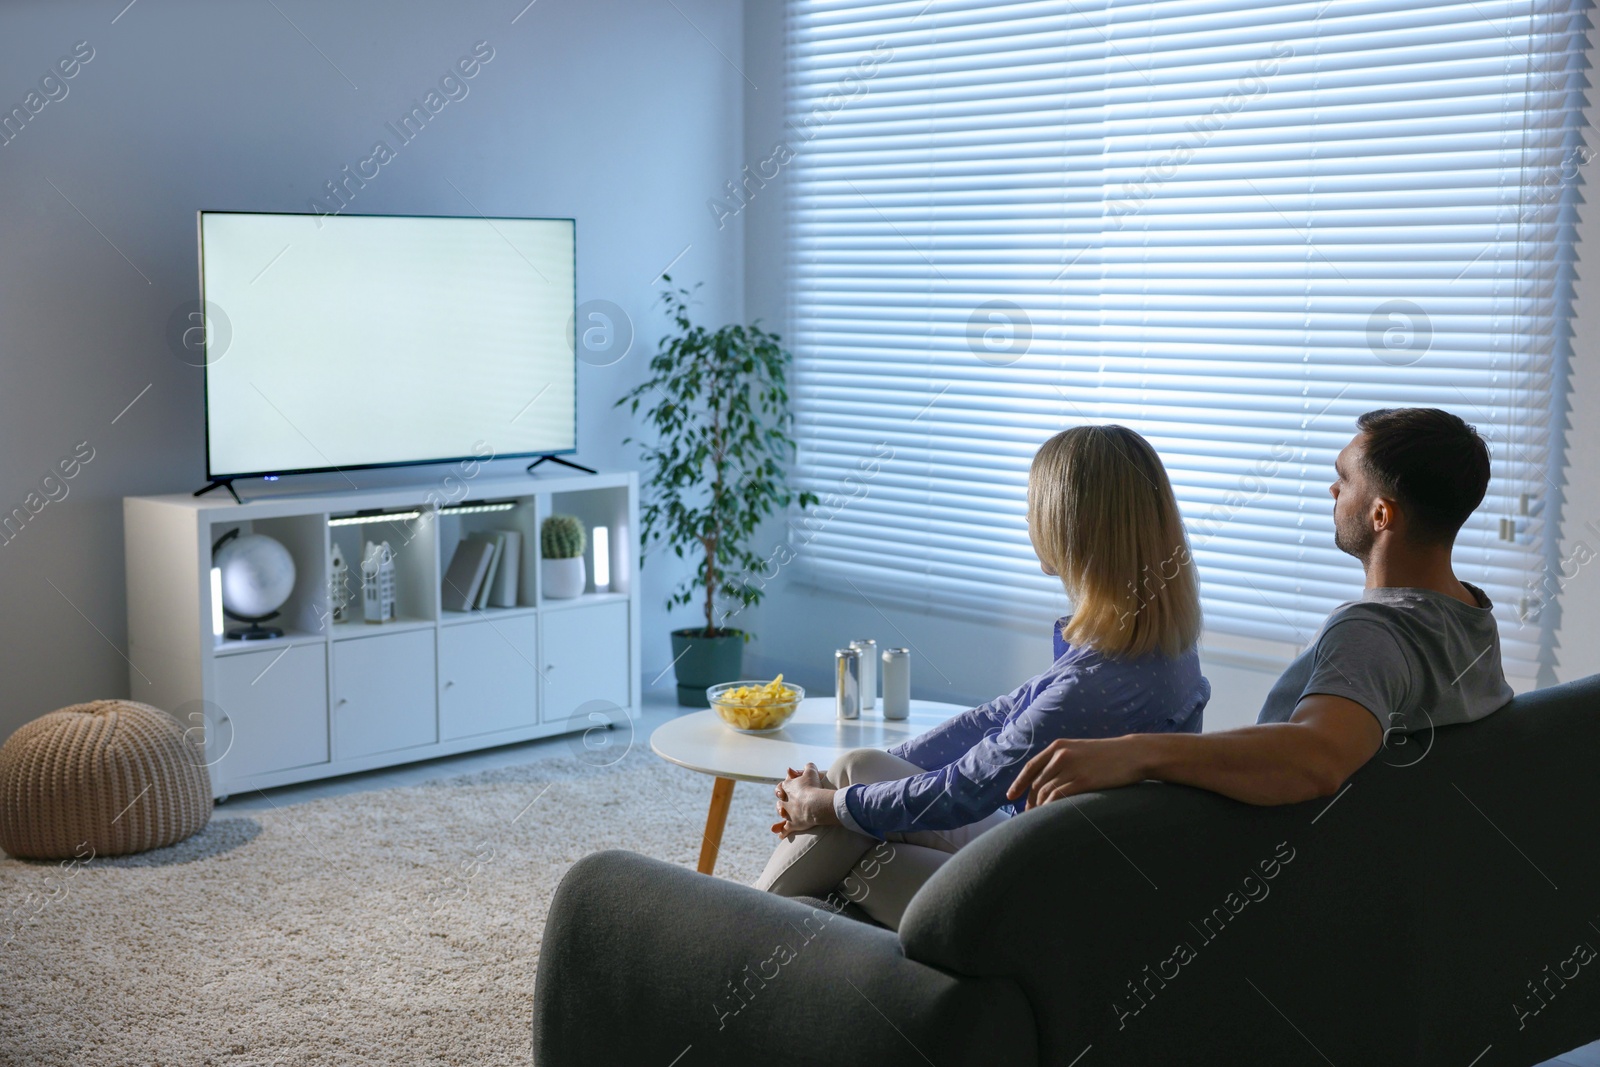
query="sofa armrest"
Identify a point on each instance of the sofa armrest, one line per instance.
(647, 962)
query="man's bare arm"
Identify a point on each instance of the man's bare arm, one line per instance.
(1326, 740)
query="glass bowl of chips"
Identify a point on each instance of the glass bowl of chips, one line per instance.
(756, 707)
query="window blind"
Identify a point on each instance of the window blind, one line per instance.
(1232, 226)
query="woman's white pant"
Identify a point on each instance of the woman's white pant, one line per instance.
(880, 876)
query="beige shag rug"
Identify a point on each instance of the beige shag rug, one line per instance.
(398, 926)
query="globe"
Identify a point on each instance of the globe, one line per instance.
(257, 575)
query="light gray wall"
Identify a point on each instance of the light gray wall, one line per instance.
(799, 627)
(626, 114)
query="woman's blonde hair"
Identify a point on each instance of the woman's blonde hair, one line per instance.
(1103, 517)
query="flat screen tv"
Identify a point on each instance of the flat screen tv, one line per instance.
(342, 341)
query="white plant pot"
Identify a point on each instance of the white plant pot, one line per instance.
(563, 579)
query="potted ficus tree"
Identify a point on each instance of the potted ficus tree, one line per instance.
(718, 401)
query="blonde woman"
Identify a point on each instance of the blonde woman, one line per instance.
(1102, 517)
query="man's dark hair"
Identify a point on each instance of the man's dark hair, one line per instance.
(1431, 462)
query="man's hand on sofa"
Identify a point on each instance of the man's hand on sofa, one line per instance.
(1327, 740)
(805, 801)
(1068, 767)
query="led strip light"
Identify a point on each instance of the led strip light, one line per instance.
(387, 516)
(471, 509)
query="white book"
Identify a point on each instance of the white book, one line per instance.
(504, 593)
(464, 577)
(481, 601)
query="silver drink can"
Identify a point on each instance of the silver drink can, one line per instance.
(896, 683)
(847, 683)
(869, 670)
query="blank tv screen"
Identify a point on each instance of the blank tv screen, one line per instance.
(359, 341)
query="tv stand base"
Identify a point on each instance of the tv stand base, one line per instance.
(220, 483)
(563, 462)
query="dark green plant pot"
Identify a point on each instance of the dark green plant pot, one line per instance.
(702, 661)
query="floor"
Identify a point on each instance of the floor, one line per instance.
(659, 706)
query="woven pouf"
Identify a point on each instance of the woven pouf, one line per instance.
(104, 779)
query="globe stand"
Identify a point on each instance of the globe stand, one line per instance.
(255, 631)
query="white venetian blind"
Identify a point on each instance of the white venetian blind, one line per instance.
(1230, 225)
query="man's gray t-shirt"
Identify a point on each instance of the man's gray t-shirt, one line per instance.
(1413, 657)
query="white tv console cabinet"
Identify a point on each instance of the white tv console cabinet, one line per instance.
(331, 698)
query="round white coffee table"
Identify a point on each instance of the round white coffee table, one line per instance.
(702, 742)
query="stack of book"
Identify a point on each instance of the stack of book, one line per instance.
(483, 571)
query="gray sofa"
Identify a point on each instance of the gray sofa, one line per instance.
(1443, 909)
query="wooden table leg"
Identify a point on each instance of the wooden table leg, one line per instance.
(716, 820)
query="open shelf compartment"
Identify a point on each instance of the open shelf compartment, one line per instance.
(478, 517)
(411, 536)
(607, 508)
(301, 617)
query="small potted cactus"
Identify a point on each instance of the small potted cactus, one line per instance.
(561, 544)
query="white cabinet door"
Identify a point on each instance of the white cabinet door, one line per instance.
(383, 694)
(272, 711)
(488, 678)
(585, 654)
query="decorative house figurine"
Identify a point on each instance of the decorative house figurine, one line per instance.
(377, 582)
(338, 585)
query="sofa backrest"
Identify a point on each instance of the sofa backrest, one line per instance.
(1445, 905)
